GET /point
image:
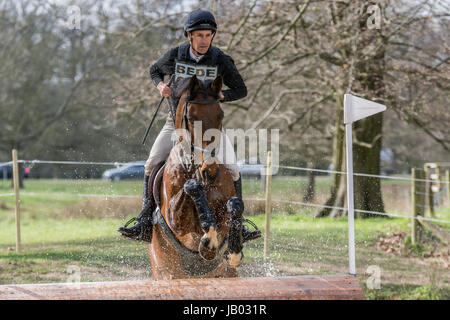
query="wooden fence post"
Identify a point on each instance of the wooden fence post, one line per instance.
(16, 194)
(432, 173)
(427, 191)
(268, 204)
(418, 203)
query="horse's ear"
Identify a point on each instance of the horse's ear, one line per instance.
(194, 84)
(216, 86)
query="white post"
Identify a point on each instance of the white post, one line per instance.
(355, 108)
(350, 202)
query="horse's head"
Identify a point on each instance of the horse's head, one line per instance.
(199, 112)
(199, 117)
(203, 104)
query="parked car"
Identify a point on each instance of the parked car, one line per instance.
(130, 170)
(250, 170)
(6, 170)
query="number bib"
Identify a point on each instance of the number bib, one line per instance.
(187, 70)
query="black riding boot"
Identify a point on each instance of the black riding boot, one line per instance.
(142, 230)
(247, 234)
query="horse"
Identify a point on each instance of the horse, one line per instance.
(197, 230)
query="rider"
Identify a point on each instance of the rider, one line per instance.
(206, 61)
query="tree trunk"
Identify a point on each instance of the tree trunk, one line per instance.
(338, 158)
(368, 132)
(309, 194)
(367, 191)
(368, 80)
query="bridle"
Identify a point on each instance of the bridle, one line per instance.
(206, 154)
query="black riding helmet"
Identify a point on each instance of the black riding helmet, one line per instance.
(200, 20)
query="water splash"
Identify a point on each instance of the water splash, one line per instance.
(269, 269)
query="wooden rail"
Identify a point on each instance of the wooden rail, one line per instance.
(437, 231)
(328, 287)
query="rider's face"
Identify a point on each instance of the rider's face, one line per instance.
(201, 40)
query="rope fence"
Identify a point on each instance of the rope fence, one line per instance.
(396, 215)
(118, 164)
(420, 191)
(361, 174)
(90, 195)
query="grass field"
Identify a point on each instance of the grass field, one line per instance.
(60, 231)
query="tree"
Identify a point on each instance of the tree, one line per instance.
(298, 60)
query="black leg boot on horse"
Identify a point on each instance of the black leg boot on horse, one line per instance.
(142, 230)
(247, 235)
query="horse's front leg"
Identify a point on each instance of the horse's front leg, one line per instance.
(234, 255)
(209, 243)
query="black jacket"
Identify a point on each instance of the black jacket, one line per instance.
(214, 56)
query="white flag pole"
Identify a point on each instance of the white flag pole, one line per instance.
(350, 202)
(355, 108)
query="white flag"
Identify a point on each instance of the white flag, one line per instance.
(356, 108)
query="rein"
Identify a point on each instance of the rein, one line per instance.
(209, 153)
